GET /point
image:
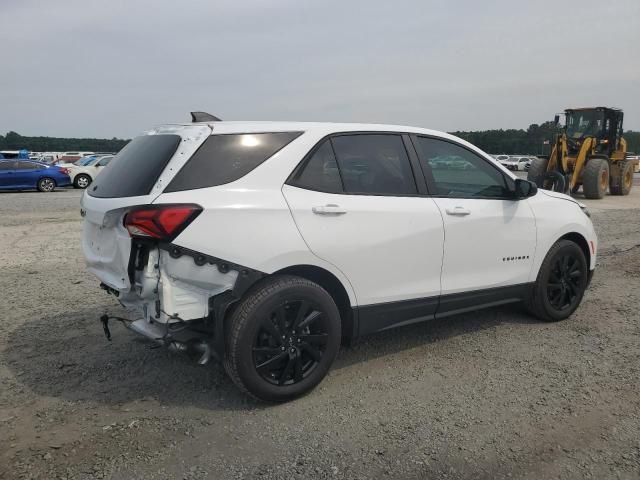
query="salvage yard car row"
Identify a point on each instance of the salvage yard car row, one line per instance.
(26, 174)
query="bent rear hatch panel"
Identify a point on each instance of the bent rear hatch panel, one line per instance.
(105, 241)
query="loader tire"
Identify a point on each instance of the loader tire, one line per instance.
(595, 178)
(621, 181)
(537, 171)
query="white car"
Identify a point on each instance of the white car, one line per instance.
(266, 244)
(517, 163)
(83, 175)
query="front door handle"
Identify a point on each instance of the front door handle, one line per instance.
(458, 211)
(330, 209)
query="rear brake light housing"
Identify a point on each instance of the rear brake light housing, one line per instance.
(160, 222)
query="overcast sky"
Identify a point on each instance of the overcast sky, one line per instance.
(107, 68)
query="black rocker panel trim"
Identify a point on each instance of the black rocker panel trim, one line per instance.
(383, 316)
(456, 303)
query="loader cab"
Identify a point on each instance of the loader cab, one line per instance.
(604, 124)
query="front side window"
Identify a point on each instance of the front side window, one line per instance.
(454, 171)
(374, 164)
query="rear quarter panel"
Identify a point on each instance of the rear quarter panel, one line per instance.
(250, 227)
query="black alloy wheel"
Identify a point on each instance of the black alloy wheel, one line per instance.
(282, 338)
(565, 281)
(290, 342)
(561, 283)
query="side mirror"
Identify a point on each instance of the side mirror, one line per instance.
(525, 189)
(556, 120)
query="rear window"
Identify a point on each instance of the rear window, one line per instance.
(136, 168)
(226, 158)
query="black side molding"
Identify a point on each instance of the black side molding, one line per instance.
(382, 316)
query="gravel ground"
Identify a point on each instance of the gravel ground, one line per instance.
(493, 394)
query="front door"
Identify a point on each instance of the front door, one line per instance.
(6, 173)
(356, 204)
(490, 236)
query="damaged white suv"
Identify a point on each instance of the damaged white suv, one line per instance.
(267, 244)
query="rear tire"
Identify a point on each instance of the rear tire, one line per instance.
(82, 181)
(621, 182)
(561, 283)
(595, 178)
(282, 338)
(46, 184)
(537, 171)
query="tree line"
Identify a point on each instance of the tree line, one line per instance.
(535, 140)
(15, 141)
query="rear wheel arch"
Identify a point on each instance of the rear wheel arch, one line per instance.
(333, 286)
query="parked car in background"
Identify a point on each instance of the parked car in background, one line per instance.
(517, 163)
(265, 244)
(83, 174)
(500, 158)
(28, 175)
(70, 157)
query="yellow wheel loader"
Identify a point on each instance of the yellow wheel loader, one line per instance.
(590, 152)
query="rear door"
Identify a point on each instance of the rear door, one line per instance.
(136, 176)
(357, 205)
(490, 236)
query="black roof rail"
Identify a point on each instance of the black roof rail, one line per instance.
(203, 117)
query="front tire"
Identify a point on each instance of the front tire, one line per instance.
(282, 338)
(561, 283)
(46, 184)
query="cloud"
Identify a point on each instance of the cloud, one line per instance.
(114, 68)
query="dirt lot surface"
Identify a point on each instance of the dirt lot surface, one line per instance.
(494, 394)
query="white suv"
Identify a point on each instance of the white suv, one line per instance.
(266, 244)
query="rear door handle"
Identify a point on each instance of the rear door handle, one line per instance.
(330, 209)
(458, 211)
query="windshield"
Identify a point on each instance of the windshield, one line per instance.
(584, 123)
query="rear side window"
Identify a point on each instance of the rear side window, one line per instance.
(136, 168)
(226, 158)
(374, 164)
(321, 171)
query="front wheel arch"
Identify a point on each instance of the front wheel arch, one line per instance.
(578, 239)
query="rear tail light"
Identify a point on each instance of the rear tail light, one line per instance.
(160, 222)
(65, 171)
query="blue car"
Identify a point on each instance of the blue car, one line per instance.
(27, 175)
